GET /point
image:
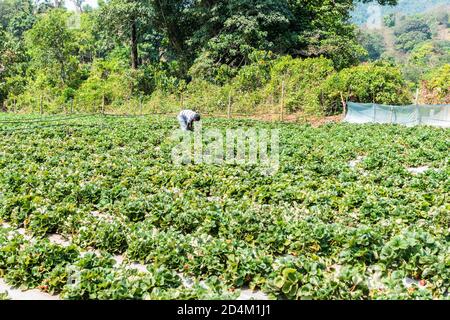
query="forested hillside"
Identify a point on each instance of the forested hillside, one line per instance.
(415, 36)
(405, 7)
(159, 56)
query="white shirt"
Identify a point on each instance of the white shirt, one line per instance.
(187, 115)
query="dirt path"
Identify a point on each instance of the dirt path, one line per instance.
(17, 294)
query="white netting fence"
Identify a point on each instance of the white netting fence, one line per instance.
(434, 115)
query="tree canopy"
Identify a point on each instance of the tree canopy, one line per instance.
(162, 46)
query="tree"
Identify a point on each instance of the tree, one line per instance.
(378, 82)
(109, 81)
(13, 65)
(78, 4)
(413, 24)
(127, 21)
(435, 85)
(174, 40)
(17, 16)
(411, 32)
(52, 47)
(373, 42)
(2, 66)
(425, 56)
(389, 20)
(230, 30)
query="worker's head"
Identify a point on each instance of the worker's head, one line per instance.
(197, 117)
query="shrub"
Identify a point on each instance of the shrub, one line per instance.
(371, 82)
(411, 32)
(302, 81)
(110, 79)
(435, 86)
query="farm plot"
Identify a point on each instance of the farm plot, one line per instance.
(344, 217)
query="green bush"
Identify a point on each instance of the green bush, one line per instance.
(205, 96)
(408, 41)
(302, 80)
(111, 80)
(436, 85)
(411, 32)
(370, 82)
(389, 20)
(373, 42)
(425, 57)
(257, 87)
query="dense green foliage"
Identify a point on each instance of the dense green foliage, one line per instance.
(310, 86)
(318, 228)
(376, 82)
(373, 42)
(424, 58)
(436, 85)
(127, 53)
(405, 7)
(411, 32)
(415, 36)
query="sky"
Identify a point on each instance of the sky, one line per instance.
(70, 6)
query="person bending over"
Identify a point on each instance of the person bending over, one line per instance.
(187, 118)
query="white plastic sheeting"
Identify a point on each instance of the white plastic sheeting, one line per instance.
(434, 115)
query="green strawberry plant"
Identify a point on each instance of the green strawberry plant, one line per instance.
(342, 202)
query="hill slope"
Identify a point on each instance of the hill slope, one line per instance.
(405, 7)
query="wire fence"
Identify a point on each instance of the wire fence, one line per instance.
(274, 109)
(138, 112)
(435, 115)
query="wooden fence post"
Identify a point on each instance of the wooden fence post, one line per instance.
(374, 112)
(103, 104)
(392, 114)
(321, 99)
(40, 105)
(182, 100)
(229, 105)
(71, 105)
(344, 105)
(418, 118)
(282, 102)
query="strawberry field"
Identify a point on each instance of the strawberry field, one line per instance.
(93, 208)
